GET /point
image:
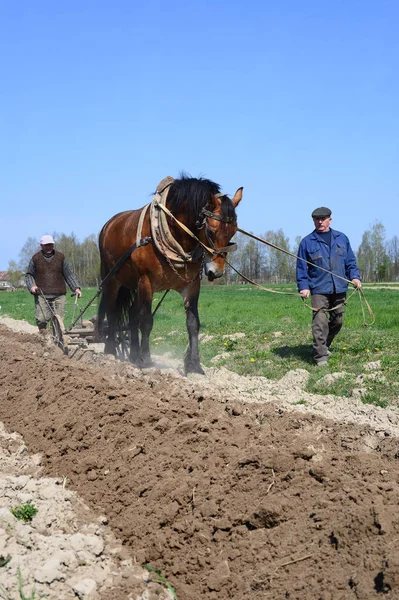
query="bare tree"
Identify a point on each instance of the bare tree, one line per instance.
(15, 274)
(365, 259)
(393, 254)
(89, 264)
(280, 264)
(30, 248)
(249, 257)
(372, 255)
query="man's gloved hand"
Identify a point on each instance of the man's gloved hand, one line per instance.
(357, 283)
(304, 294)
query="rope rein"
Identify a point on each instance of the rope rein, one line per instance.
(214, 252)
(221, 252)
(361, 292)
(261, 287)
(291, 254)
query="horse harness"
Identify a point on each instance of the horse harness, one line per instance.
(163, 239)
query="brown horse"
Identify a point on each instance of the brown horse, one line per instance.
(127, 296)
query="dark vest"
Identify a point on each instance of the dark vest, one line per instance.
(49, 276)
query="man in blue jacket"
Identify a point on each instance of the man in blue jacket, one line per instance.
(331, 250)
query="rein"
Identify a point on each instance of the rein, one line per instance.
(291, 254)
(361, 293)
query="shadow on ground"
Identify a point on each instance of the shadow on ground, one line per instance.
(302, 352)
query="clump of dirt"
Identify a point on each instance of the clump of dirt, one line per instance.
(228, 498)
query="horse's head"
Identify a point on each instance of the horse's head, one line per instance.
(220, 224)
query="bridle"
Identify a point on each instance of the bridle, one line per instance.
(202, 223)
(207, 213)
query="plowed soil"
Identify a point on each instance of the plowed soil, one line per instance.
(228, 498)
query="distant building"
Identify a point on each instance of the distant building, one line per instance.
(5, 283)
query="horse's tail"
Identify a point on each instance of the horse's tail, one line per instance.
(101, 312)
(102, 307)
(118, 315)
(124, 302)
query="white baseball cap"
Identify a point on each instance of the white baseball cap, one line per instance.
(46, 239)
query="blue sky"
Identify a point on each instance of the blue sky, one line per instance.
(295, 100)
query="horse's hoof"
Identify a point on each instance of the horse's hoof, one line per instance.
(141, 363)
(136, 362)
(194, 369)
(146, 363)
(109, 350)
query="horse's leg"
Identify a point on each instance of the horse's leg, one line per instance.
(99, 321)
(191, 359)
(110, 295)
(144, 303)
(134, 334)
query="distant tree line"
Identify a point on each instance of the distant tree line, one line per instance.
(378, 259)
(263, 263)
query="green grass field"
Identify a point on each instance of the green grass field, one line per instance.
(277, 332)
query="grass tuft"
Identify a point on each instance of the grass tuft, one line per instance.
(24, 512)
(4, 560)
(160, 579)
(22, 596)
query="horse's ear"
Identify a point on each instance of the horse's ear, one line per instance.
(237, 197)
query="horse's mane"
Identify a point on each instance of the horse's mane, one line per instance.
(190, 195)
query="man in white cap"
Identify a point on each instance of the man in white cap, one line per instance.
(46, 278)
(331, 250)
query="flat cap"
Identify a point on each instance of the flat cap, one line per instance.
(322, 211)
